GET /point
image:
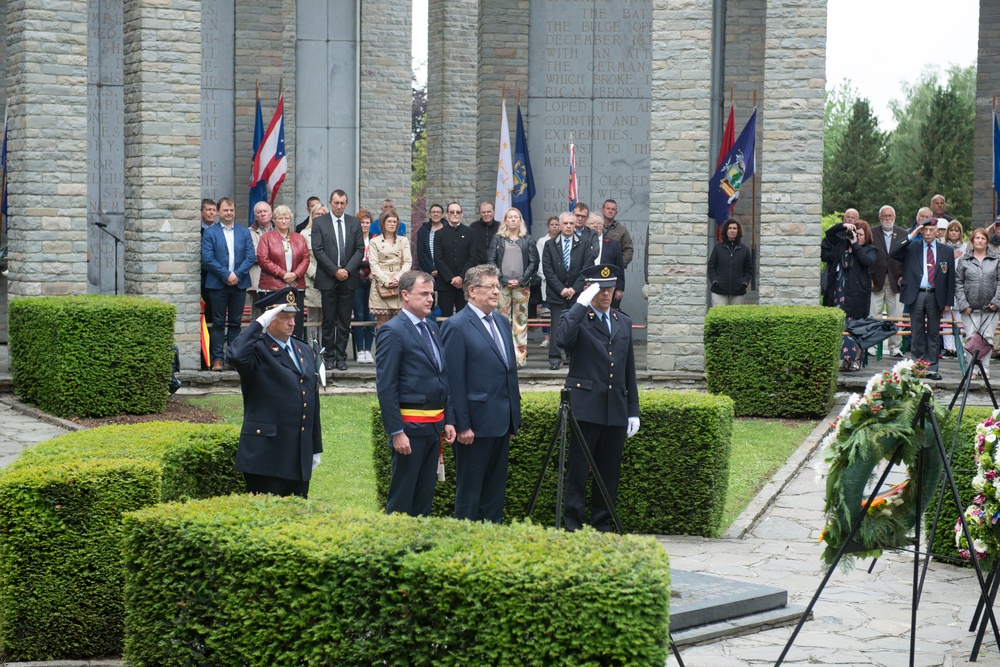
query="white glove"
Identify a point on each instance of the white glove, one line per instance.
(633, 427)
(316, 460)
(268, 316)
(587, 295)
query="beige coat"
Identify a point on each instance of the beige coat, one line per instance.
(387, 262)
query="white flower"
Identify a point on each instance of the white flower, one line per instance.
(886, 512)
(991, 436)
(979, 546)
(904, 365)
(852, 403)
(979, 483)
(874, 383)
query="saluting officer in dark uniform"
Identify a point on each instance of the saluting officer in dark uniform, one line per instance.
(603, 391)
(281, 440)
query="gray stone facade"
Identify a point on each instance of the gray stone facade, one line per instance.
(987, 87)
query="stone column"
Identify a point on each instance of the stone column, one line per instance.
(3, 102)
(386, 104)
(791, 165)
(987, 84)
(162, 159)
(47, 146)
(679, 171)
(451, 102)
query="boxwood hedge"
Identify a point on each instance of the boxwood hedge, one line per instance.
(250, 580)
(61, 503)
(92, 356)
(774, 361)
(675, 471)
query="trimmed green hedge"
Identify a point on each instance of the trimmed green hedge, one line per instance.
(92, 356)
(61, 503)
(774, 361)
(675, 471)
(251, 580)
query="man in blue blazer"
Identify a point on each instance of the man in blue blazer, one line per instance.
(411, 378)
(226, 254)
(927, 287)
(482, 373)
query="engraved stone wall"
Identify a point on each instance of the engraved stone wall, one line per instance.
(987, 85)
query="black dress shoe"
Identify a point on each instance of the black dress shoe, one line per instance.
(933, 376)
(554, 365)
(341, 365)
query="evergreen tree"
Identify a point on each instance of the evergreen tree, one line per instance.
(859, 172)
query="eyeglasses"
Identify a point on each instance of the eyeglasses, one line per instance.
(454, 213)
(581, 216)
(495, 287)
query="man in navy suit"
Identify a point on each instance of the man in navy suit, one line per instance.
(281, 439)
(411, 378)
(603, 392)
(928, 287)
(482, 373)
(563, 258)
(227, 254)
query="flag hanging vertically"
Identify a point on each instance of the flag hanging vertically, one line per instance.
(505, 178)
(737, 168)
(3, 169)
(258, 189)
(524, 183)
(572, 177)
(728, 139)
(270, 164)
(996, 161)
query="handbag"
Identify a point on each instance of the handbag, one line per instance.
(387, 292)
(978, 343)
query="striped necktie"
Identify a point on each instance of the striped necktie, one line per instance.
(566, 247)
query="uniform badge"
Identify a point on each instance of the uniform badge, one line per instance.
(943, 267)
(290, 298)
(605, 272)
(591, 315)
(275, 349)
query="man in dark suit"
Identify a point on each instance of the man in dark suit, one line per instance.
(411, 378)
(227, 254)
(563, 258)
(457, 257)
(339, 248)
(928, 287)
(581, 216)
(482, 373)
(281, 439)
(887, 272)
(483, 231)
(603, 392)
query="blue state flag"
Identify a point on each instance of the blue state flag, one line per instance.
(258, 185)
(996, 161)
(737, 168)
(524, 183)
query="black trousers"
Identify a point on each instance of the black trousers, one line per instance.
(606, 444)
(227, 318)
(338, 302)
(276, 486)
(451, 300)
(925, 323)
(481, 478)
(414, 475)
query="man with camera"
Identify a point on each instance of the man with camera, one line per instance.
(928, 287)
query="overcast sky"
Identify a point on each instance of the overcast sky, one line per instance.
(877, 44)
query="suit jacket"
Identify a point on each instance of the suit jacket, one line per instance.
(324, 247)
(425, 261)
(884, 265)
(601, 376)
(215, 256)
(610, 254)
(271, 258)
(911, 253)
(457, 255)
(281, 427)
(557, 278)
(405, 373)
(484, 390)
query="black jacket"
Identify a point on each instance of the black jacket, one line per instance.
(529, 256)
(424, 260)
(730, 268)
(556, 276)
(456, 254)
(482, 237)
(857, 276)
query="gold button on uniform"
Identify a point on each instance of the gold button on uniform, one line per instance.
(258, 431)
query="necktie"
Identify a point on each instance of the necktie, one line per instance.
(496, 337)
(566, 247)
(429, 343)
(930, 265)
(340, 241)
(606, 321)
(291, 352)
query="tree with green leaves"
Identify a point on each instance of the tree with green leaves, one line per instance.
(858, 171)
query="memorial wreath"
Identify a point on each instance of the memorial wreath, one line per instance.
(870, 429)
(984, 512)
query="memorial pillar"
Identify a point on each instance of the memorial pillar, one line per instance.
(987, 85)
(452, 54)
(47, 145)
(163, 161)
(386, 104)
(791, 164)
(679, 171)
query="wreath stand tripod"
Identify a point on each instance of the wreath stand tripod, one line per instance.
(566, 420)
(925, 414)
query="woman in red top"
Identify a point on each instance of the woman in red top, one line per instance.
(283, 257)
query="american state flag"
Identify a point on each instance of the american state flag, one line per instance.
(572, 177)
(269, 162)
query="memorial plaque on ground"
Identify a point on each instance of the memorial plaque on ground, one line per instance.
(701, 599)
(590, 83)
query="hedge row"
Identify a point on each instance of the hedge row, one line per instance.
(774, 361)
(61, 503)
(248, 580)
(92, 356)
(675, 471)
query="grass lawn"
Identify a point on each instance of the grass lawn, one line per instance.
(346, 476)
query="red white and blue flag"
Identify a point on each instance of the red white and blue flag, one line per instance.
(572, 177)
(269, 162)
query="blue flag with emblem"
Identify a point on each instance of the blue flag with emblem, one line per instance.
(258, 188)
(737, 168)
(524, 183)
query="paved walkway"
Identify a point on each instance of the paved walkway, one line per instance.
(19, 431)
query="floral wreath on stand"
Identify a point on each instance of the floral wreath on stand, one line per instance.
(869, 430)
(984, 512)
